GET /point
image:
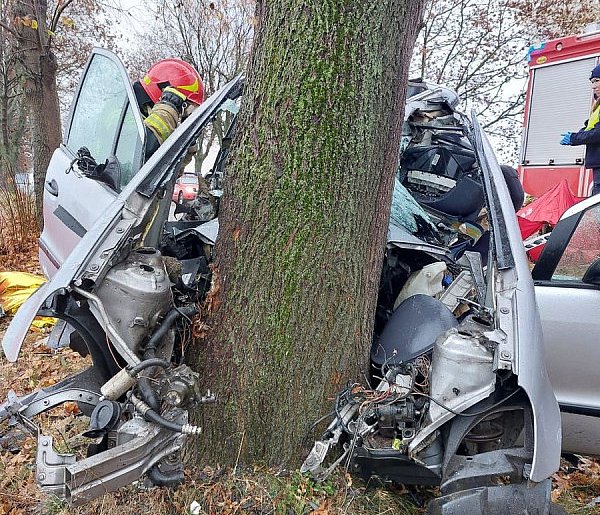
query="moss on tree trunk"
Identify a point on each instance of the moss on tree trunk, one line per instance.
(303, 221)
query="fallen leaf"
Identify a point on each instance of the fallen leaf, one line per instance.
(71, 408)
(563, 485)
(42, 349)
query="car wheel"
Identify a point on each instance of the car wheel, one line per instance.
(180, 198)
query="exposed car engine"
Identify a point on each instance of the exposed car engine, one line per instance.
(127, 294)
(442, 406)
(138, 392)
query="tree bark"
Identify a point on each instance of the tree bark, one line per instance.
(41, 94)
(303, 221)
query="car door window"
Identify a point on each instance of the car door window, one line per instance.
(128, 144)
(103, 120)
(582, 249)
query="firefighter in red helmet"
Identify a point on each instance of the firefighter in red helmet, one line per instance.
(167, 94)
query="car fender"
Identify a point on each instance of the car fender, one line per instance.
(514, 294)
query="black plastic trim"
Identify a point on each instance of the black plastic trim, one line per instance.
(389, 465)
(579, 410)
(70, 221)
(554, 248)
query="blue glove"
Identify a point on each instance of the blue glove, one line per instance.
(566, 140)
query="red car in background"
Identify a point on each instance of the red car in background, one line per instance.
(186, 188)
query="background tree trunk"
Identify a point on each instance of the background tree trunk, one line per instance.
(304, 220)
(40, 89)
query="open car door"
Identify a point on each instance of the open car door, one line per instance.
(567, 289)
(104, 128)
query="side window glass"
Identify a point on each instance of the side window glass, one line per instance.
(99, 110)
(583, 248)
(128, 146)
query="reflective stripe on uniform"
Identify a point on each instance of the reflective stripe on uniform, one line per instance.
(594, 117)
(176, 92)
(158, 124)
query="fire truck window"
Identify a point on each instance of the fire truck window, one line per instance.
(560, 101)
(583, 248)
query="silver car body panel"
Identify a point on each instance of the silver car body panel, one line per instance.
(76, 201)
(514, 295)
(121, 224)
(433, 94)
(571, 324)
(58, 239)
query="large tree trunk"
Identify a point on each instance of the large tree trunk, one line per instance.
(40, 89)
(304, 220)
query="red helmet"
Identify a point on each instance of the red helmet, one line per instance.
(175, 73)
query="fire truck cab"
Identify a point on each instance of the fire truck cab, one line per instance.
(558, 100)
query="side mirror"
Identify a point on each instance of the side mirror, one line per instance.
(592, 274)
(109, 173)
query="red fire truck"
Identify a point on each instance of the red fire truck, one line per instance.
(559, 99)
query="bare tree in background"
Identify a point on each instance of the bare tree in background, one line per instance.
(85, 24)
(479, 48)
(17, 210)
(548, 19)
(213, 36)
(33, 32)
(50, 40)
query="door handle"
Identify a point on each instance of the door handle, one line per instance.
(52, 187)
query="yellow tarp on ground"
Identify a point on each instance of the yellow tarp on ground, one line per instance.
(16, 288)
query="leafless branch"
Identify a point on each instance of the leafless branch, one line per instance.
(60, 8)
(7, 28)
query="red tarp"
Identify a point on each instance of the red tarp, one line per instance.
(535, 253)
(528, 228)
(546, 209)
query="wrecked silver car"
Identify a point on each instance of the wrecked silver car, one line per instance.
(124, 290)
(458, 393)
